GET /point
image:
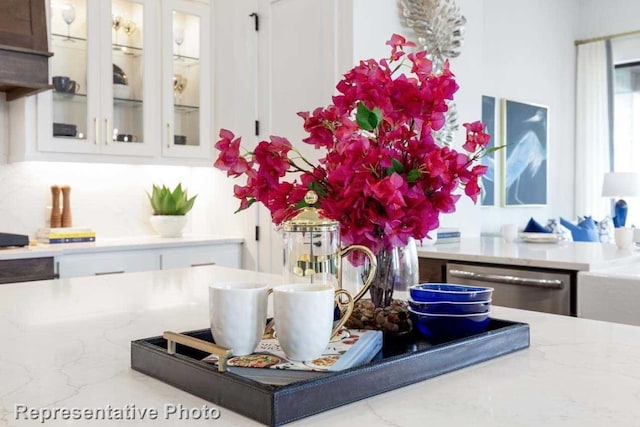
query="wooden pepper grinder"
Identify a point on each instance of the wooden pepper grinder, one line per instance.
(56, 219)
(66, 206)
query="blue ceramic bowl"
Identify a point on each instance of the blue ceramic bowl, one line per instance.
(445, 327)
(428, 292)
(450, 307)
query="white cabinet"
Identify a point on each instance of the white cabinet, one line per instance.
(132, 83)
(158, 258)
(227, 255)
(106, 263)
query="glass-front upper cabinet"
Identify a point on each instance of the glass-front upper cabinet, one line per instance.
(103, 76)
(186, 80)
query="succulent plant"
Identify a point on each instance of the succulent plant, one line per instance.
(167, 202)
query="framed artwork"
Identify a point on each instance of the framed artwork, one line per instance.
(488, 184)
(525, 133)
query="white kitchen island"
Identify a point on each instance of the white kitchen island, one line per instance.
(66, 345)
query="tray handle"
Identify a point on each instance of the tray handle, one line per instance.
(174, 338)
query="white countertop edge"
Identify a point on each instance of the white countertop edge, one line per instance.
(116, 244)
(577, 256)
(497, 259)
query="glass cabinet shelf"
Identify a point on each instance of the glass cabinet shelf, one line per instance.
(186, 61)
(186, 108)
(82, 97)
(62, 41)
(69, 97)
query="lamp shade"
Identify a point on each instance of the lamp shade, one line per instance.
(621, 184)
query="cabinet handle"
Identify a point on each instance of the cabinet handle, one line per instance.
(104, 273)
(95, 131)
(106, 131)
(168, 135)
(506, 279)
(203, 264)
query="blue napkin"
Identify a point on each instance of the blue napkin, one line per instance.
(535, 227)
(584, 231)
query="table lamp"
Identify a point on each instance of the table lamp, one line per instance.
(621, 184)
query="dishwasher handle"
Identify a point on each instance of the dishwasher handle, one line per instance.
(507, 279)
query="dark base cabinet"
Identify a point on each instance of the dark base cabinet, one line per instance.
(26, 269)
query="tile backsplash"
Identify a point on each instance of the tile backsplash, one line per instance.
(112, 198)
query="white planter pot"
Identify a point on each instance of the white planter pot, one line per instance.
(169, 225)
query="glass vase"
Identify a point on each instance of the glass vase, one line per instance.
(397, 270)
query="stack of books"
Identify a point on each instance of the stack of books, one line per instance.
(65, 235)
(447, 235)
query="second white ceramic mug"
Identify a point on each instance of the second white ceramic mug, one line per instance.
(238, 314)
(303, 316)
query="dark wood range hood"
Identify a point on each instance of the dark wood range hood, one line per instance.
(24, 56)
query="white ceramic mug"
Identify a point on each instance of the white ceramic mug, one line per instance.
(509, 232)
(238, 314)
(303, 316)
(623, 237)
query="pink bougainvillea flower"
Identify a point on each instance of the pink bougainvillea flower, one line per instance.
(380, 172)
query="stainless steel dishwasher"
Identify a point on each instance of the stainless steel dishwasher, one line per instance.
(549, 292)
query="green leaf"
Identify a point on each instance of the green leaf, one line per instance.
(413, 176)
(492, 150)
(368, 119)
(249, 203)
(318, 188)
(397, 166)
(301, 204)
(164, 201)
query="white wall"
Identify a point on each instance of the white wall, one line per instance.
(529, 56)
(111, 198)
(599, 18)
(513, 49)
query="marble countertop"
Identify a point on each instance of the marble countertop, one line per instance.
(579, 256)
(115, 244)
(65, 344)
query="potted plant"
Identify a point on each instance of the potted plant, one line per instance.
(170, 208)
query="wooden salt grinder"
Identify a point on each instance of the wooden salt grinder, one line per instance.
(66, 206)
(55, 219)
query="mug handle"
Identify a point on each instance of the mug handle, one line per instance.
(373, 265)
(345, 316)
(77, 88)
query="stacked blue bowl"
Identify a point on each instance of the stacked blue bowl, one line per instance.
(444, 311)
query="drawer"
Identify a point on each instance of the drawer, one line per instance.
(27, 269)
(107, 263)
(226, 255)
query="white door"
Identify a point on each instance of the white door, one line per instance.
(298, 71)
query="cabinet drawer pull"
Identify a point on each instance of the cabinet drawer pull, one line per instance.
(104, 273)
(203, 264)
(168, 135)
(106, 131)
(507, 279)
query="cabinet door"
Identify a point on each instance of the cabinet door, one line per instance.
(226, 255)
(106, 263)
(105, 76)
(130, 77)
(68, 115)
(187, 77)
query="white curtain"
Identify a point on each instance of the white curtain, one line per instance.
(592, 130)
